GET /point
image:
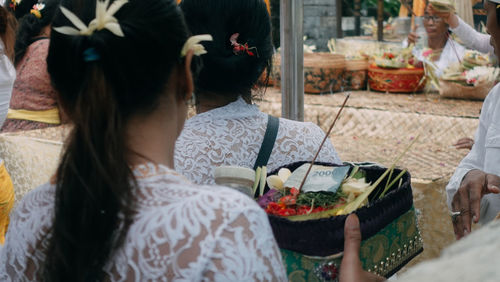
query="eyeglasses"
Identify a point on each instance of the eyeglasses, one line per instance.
(435, 19)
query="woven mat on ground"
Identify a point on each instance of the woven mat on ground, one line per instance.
(377, 127)
(417, 103)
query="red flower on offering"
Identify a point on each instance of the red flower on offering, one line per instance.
(294, 192)
(288, 200)
(427, 53)
(389, 55)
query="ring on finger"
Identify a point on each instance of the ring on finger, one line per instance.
(454, 216)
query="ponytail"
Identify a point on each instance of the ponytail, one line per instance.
(91, 187)
(100, 91)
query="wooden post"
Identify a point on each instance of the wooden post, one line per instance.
(338, 16)
(292, 59)
(357, 17)
(380, 20)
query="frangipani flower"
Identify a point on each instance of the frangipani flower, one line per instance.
(193, 44)
(104, 20)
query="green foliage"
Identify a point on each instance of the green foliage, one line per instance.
(391, 7)
(321, 199)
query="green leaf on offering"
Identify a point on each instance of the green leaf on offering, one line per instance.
(316, 215)
(354, 205)
(263, 176)
(320, 199)
(354, 170)
(257, 179)
(392, 183)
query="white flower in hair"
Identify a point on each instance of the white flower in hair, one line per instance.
(193, 44)
(104, 20)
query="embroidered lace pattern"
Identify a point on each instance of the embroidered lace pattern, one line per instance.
(233, 134)
(181, 231)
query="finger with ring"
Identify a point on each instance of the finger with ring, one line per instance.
(454, 216)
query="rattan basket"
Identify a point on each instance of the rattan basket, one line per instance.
(323, 72)
(355, 76)
(455, 90)
(396, 80)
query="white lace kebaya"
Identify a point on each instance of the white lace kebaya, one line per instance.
(181, 232)
(233, 134)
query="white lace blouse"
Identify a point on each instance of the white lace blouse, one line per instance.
(233, 134)
(181, 232)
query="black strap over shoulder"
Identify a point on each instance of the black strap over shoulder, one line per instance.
(273, 124)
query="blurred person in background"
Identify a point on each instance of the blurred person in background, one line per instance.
(33, 104)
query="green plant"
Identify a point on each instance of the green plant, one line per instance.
(391, 7)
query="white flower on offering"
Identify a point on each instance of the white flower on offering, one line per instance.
(477, 74)
(193, 43)
(104, 20)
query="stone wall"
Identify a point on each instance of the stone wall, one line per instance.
(320, 23)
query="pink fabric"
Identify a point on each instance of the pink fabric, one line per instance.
(32, 88)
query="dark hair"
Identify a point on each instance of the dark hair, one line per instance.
(498, 12)
(20, 9)
(223, 71)
(8, 25)
(93, 203)
(30, 27)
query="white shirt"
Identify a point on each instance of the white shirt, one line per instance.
(452, 53)
(233, 134)
(484, 155)
(472, 38)
(473, 258)
(7, 78)
(181, 232)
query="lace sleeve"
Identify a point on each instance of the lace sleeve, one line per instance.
(246, 248)
(23, 253)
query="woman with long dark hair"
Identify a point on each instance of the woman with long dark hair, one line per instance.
(229, 129)
(117, 210)
(34, 101)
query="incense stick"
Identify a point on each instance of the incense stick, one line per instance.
(324, 139)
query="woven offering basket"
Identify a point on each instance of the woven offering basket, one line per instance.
(312, 249)
(396, 80)
(455, 90)
(323, 72)
(355, 77)
(276, 70)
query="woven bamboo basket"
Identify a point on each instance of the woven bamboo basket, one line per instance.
(396, 80)
(323, 72)
(391, 237)
(356, 74)
(454, 90)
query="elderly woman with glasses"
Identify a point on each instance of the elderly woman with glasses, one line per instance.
(475, 198)
(443, 50)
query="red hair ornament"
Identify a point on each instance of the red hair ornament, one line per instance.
(239, 49)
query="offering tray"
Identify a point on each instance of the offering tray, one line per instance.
(312, 249)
